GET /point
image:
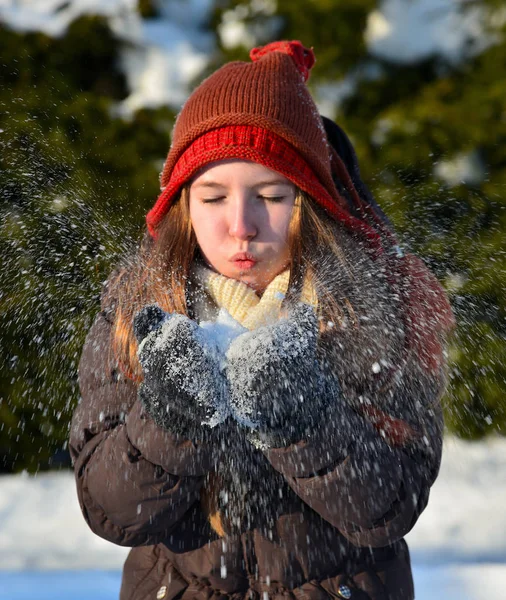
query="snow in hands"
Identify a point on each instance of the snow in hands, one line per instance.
(183, 377)
(270, 364)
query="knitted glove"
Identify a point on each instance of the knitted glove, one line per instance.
(276, 384)
(183, 388)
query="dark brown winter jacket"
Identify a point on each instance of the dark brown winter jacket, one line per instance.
(331, 510)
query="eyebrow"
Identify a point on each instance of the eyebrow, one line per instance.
(207, 184)
(215, 184)
(273, 182)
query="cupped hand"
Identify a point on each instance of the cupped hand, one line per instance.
(183, 378)
(275, 380)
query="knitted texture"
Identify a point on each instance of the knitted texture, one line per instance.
(248, 143)
(243, 304)
(303, 58)
(270, 94)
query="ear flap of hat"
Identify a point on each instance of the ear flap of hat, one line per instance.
(340, 142)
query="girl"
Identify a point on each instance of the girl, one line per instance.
(260, 411)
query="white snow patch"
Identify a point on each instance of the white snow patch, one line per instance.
(404, 32)
(235, 33)
(465, 520)
(455, 281)
(382, 128)
(236, 30)
(330, 95)
(170, 53)
(223, 331)
(160, 56)
(41, 527)
(52, 17)
(464, 168)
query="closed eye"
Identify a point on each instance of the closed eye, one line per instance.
(212, 200)
(272, 198)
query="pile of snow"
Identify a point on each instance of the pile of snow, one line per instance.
(53, 17)
(41, 526)
(238, 29)
(169, 54)
(466, 168)
(405, 32)
(160, 56)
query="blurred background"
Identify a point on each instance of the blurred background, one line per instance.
(89, 90)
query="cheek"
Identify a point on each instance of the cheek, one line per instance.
(280, 222)
(205, 225)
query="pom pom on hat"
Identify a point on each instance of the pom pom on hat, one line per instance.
(303, 57)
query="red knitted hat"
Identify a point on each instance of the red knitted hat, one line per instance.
(260, 111)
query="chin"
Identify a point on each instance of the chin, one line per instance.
(257, 284)
(250, 280)
(254, 279)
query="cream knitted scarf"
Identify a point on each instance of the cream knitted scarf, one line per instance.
(241, 301)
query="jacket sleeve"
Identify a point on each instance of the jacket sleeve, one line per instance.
(370, 490)
(135, 481)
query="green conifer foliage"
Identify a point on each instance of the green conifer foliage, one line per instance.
(75, 183)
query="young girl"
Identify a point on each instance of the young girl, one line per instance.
(260, 411)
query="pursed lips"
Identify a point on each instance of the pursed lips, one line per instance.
(244, 260)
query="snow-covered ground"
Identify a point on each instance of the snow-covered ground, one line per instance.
(458, 545)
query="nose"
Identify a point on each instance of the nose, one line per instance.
(242, 222)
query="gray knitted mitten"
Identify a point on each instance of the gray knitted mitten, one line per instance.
(276, 384)
(184, 388)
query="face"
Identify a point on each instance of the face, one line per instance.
(240, 212)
